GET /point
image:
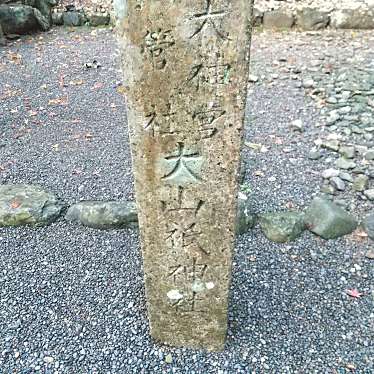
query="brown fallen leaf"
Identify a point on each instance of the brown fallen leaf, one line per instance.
(78, 82)
(61, 81)
(15, 204)
(350, 367)
(10, 93)
(58, 101)
(359, 235)
(14, 58)
(289, 205)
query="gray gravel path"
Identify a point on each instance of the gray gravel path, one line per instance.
(62, 124)
(71, 298)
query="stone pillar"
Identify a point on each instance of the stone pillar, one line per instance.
(186, 65)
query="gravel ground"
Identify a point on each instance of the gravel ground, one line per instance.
(72, 117)
(71, 298)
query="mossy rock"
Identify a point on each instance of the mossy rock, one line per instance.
(282, 227)
(27, 205)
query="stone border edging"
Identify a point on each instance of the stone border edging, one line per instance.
(31, 205)
(312, 18)
(306, 17)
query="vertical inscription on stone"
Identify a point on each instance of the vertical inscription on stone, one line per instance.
(185, 68)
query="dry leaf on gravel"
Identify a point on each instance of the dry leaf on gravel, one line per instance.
(15, 204)
(14, 58)
(358, 235)
(58, 101)
(354, 293)
(76, 82)
(257, 147)
(350, 367)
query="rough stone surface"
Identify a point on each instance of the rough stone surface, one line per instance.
(353, 19)
(369, 225)
(361, 183)
(312, 19)
(30, 16)
(104, 215)
(45, 9)
(57, 18)
(278, 19)
(186, 69)
(328, 220)
(345, 164)
(99, 19)
(26, 204)
(2, 37)
(370, 194)
(73, 19)
(282, 227)
(18, 19)
(337, 183)
(245, 220)
(314, 13)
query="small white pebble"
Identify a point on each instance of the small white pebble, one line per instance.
(48, 359)
(209, 285)
(174, 295)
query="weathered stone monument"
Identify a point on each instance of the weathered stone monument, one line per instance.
(186, 66)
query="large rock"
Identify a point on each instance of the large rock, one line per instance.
(104, 215)
(244, 219)
(369, 225)
(99, 19)
(258, 16)
(278, 19)
(328, 220)
(22, 19)
(44, 6)
(370, 194)
(282, 227)
(24, 204)
(57, 18)
(312, 19)
(353, 19)
(73, 18)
